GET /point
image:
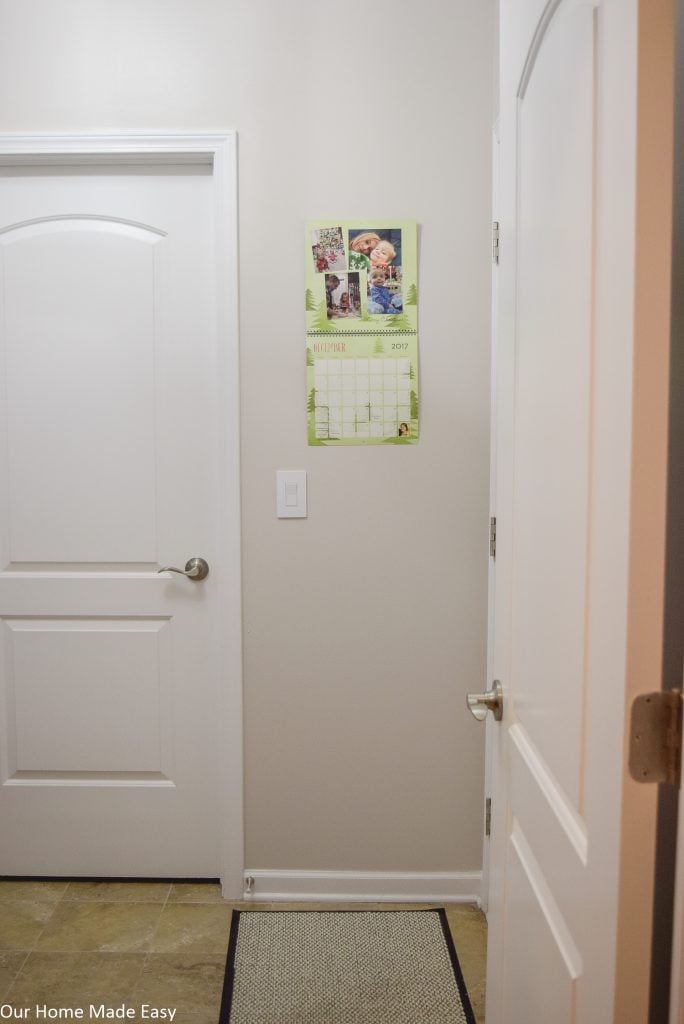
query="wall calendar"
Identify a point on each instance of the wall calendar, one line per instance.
(361, 307)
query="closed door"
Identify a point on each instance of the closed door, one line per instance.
(581, 434)
(113, 698)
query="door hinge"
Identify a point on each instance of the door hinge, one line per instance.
(495, 241)
(488, 816)
(655, 741)
(492, 537)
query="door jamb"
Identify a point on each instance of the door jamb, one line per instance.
(490, 724)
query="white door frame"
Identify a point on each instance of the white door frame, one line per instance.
(219, 151)
(490, 725)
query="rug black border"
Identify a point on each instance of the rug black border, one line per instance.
(229, 977)
(458, 973)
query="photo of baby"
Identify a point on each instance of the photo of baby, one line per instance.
(342, 296)
(384, 290)
(370, 247)
(327, 249)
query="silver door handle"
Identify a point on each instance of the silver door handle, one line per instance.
(195, 569)
(480, 703)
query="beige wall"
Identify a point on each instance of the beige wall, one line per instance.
(364, 624)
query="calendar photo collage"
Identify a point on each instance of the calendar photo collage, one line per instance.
(361, 306)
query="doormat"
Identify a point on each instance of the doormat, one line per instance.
(343, 967)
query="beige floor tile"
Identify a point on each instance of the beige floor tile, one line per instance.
(465, 912)
(76, 979)
(473, 962)
(474, 973)
(183, 892)
(118, 892)
(477, 1000)
(22, 921)
(192, 983)
(470, 938)
(9, 968)
(468, 927)
(38, 892)
(192, 928)
(103, 927)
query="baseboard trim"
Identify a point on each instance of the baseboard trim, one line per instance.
(366, 886)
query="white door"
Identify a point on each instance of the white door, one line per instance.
(114, 702)
(577, 366)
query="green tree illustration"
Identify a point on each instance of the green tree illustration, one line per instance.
(412, 372)
(400, 322)
(414, 406)
(311, 404)
(379, 348)
(309, 304)
(309, 357)
(321, 322)
(312, 434)
(412, 296)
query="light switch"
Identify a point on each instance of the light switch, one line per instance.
(291, 493)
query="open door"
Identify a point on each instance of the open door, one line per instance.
(581, 438)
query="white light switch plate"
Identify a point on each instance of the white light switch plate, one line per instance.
(291, 493)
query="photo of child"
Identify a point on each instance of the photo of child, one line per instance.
(360, 247)
(343, 296)
(327, 249)
(384, 291)
(374, 247)
(382, 255)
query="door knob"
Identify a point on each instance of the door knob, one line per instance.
(480, 703)
(195, 569)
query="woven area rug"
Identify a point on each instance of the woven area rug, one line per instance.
(343, 967)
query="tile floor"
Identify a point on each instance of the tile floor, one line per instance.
(72, 944)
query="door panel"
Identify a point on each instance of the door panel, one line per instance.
(104, 665)
(553, 392)
(112, 693)
(534, 914)
(81, 390)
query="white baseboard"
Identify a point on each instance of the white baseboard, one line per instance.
(366, 886)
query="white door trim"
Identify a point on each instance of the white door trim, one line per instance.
(491, 726)
(218, 150)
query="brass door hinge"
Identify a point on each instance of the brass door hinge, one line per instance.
(495, 242)
(488, 816)
(492, 537)
(655, 742)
